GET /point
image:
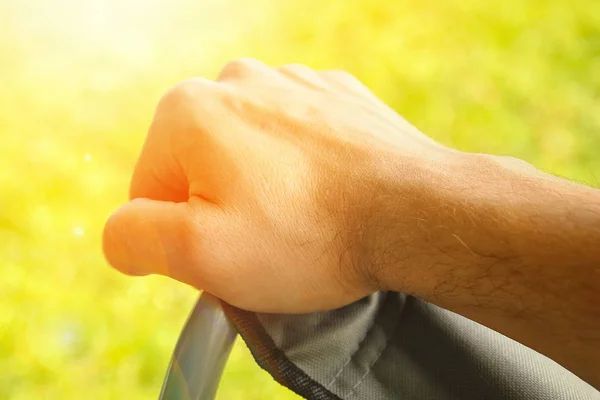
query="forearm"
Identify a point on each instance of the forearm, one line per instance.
(516, 250)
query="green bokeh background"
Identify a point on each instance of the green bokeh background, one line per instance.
(78, 84)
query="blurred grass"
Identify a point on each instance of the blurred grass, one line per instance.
(79, 80)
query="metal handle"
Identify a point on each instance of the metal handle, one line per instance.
(200, 354)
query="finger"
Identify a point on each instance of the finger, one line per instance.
(303, 74)
(178, 126)
(155, 237)
(347, 83)
(344, 82)
(243, 68)
(158, 176)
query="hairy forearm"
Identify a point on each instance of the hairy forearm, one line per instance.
(516, 250)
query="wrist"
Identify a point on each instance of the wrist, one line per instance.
(419, 219)
(452, 229)
(440, 222)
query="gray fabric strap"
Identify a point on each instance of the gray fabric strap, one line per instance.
(392, 346)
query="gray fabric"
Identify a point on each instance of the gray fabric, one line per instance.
(391, 346)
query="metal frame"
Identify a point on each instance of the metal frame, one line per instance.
(200, 354)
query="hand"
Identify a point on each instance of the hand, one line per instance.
(273, 188)
(292, 190)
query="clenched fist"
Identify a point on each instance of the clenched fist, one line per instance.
(293, 190)
(273, 188)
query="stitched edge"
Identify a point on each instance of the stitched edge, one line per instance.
(270, 358)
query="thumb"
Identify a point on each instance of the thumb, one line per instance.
(156, 237)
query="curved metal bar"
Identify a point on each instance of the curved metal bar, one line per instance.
(200, 354)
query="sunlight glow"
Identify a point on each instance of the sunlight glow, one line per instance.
(112, 37)
(78, 231)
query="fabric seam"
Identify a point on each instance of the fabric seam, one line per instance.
(351, 356)
(387, 343)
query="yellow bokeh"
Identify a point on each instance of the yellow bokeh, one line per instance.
(78, 83)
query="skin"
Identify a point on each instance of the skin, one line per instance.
(291, 190)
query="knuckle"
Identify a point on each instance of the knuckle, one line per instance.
(184, 92)
(239, 68)
(181, 97)
(300, 70)
(295, 67)
(338, 73)
(189, 102)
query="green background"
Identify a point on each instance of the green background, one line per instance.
(78, 84)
